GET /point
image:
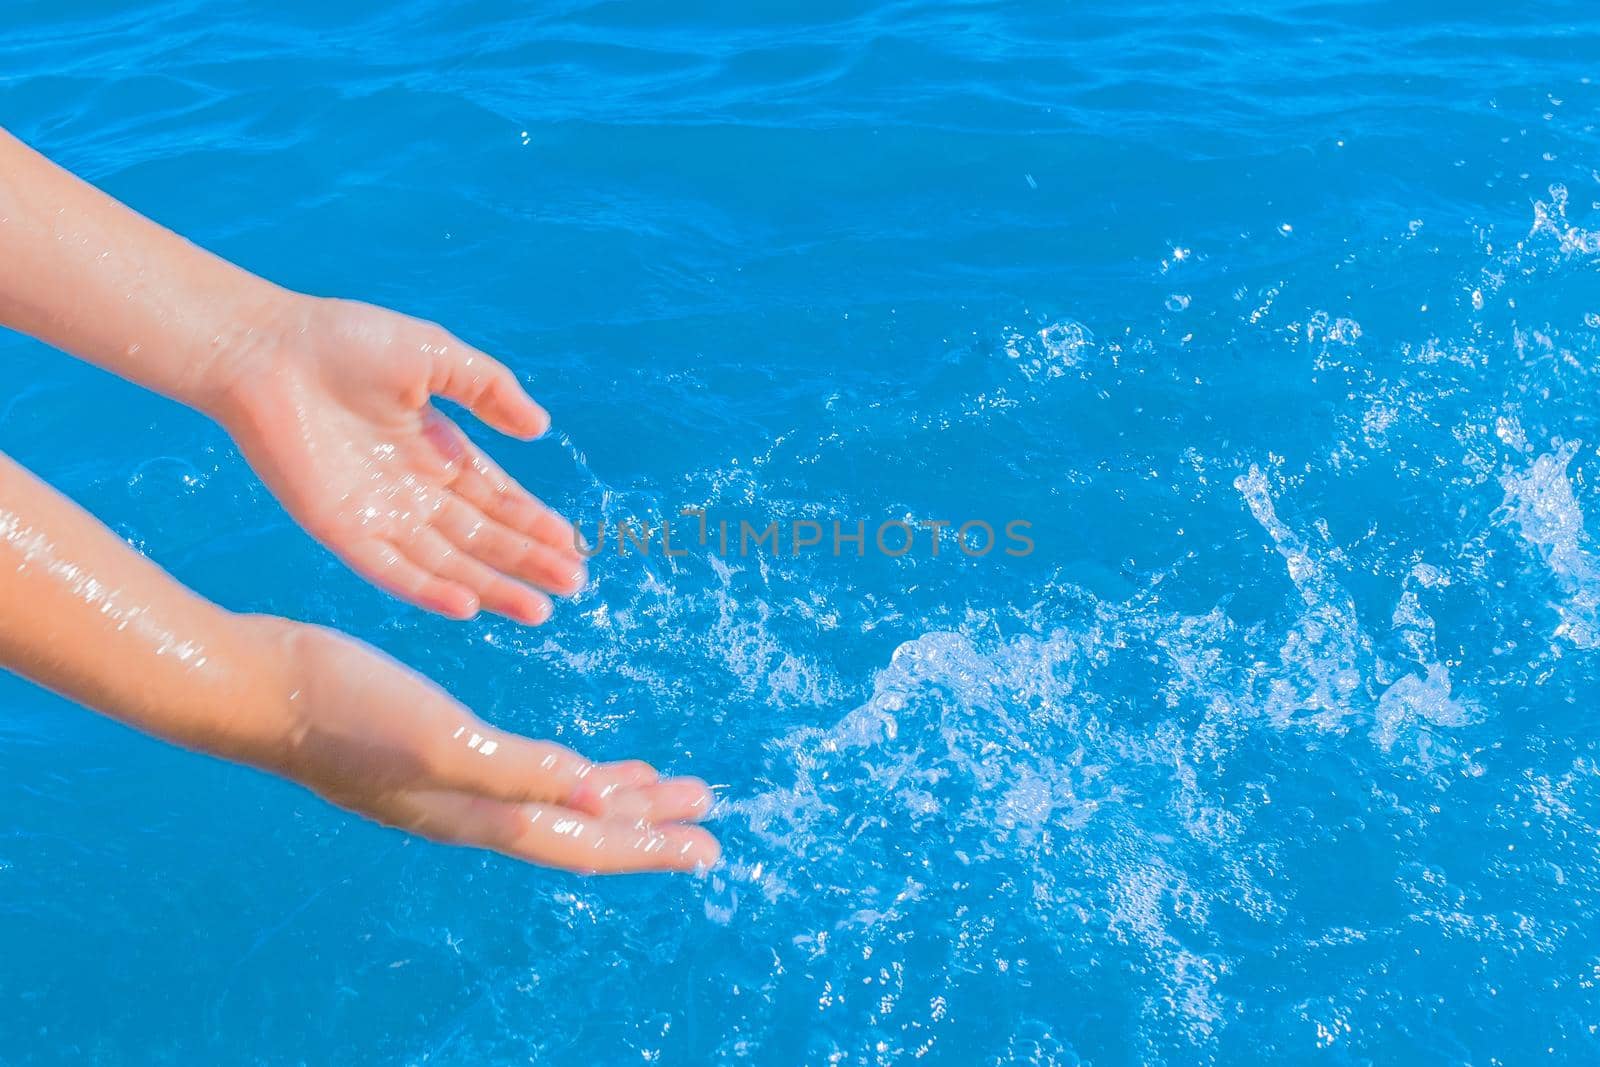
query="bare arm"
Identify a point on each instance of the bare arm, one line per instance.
(82, 613)
(89, 276)
(329, 400)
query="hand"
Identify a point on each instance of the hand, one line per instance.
(329, 400)
(371, 736)
(331, 406)
(85, 615)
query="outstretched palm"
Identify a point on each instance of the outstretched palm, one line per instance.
(334, 413)
(377, 739)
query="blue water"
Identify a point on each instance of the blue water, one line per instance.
(1280, 324)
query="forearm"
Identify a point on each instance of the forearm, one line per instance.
(86, 616)
(83, 614)
(88, 275)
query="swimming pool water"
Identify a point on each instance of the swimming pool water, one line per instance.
(1280, 322)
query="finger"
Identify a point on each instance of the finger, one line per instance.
(481, 759)
(562, 838)
(495, 493)
(488, 762)
(553, 836)
(484, 386)
(631, 772)
(673, 800)
(385, 566)
(507, 551)
(434, 552)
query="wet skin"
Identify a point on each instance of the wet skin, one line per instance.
(331, 402)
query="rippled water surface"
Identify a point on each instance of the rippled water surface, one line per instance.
(1279, 323)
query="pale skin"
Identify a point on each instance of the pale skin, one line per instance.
(330, 401)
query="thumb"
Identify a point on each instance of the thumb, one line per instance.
(484, 386)
(481, 760)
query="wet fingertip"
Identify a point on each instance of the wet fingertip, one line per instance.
(537, 612)
(633, 772)
(700, 796)
(460, 608)
(566, 534)
(577, 576)
(699, 853)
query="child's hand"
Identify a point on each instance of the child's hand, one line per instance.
(331, 406)
(329, 400)
(371, 736)
(90, 618)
